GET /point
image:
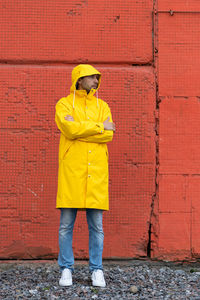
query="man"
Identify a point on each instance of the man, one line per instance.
(86, 126)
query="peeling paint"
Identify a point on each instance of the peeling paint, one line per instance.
(32, 192)
(18, 250)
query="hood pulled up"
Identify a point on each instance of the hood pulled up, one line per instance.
(82, 71)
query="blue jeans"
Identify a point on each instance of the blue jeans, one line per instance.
(96, 237)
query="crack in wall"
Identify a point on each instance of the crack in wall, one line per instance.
(152, 217)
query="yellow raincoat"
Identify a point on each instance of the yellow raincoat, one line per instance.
(83, 154)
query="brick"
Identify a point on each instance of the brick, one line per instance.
(173, 194)
(174, 237)
(179, 136)
(178, 56)
(179, 5)
(74, 31)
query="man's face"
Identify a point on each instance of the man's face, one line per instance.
(88, 82)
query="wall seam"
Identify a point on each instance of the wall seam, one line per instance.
(152, 218)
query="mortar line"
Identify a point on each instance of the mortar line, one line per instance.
(53, 63)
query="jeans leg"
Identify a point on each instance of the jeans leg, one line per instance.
(96, 237)
(67, 219)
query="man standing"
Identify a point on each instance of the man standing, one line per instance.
(86, 126)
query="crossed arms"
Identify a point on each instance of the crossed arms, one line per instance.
(86, 131)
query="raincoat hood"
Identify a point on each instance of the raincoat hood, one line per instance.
(82, 71)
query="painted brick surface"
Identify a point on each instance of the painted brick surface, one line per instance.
(179, 222)
(179, 136)
(74, 31)
(29, 154)
(40, 43)
(178, 59)
(175, 226)
(174, 237)
(174, 194)
(179, 5)
(179, 160)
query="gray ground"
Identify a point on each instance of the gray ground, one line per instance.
(132, 279)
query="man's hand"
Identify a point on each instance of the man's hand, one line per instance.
(109, 125)
(69, 118)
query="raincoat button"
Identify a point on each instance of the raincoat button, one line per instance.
(89, 175)
(90, 151)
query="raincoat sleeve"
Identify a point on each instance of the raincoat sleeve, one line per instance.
(104, 137)
(72, 129)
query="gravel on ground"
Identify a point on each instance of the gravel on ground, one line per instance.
(125, 280)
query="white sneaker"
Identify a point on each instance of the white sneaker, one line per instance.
(98, 278)
(66, 278)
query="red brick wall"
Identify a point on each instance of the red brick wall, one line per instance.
(41, 41)
(138, 46)
(176, 220)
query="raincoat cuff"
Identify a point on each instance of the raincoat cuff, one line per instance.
(101, 127)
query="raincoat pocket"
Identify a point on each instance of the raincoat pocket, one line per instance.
(66, 150)
(107, 153)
